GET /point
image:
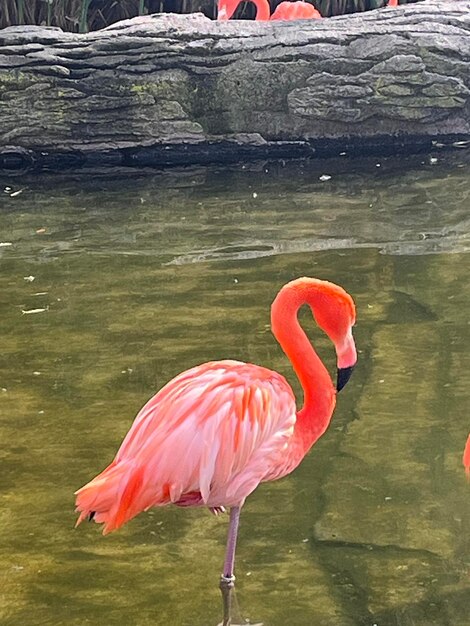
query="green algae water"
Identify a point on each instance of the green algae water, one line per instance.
(110, 284)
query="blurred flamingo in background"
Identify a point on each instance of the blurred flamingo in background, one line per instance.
(285, 11)
(216, 431)
(466, 457)
(298, 10)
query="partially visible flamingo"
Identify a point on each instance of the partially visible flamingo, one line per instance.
(285, 11)
(466, 458)
(214, 432)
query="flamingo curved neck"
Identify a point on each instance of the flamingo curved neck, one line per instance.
(319, 392)
(263, 10)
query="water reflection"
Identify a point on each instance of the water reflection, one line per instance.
(142, 276)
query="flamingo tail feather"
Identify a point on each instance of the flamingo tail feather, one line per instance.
(112, 498)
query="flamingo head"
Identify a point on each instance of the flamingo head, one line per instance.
(346, 353)
(226, 8)
(335, 313)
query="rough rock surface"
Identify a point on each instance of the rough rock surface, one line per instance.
(167, 88)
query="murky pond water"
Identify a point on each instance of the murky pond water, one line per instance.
(112, 285)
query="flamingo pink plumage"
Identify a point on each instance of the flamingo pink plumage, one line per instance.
(298, 10)
(466, 458)
(214, 432)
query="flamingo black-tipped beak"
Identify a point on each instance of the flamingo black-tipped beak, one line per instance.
(343, 375)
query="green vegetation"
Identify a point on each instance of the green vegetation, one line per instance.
(84, 15)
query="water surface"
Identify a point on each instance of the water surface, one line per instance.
(112, 284)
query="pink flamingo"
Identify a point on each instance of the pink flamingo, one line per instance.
(285, 11)
(214, 432)
(466, 458)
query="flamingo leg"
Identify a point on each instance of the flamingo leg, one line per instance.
(227, 574)
(227, 580)
(226, 589)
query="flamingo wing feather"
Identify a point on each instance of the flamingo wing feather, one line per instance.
(295, 11)
(208, 437)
